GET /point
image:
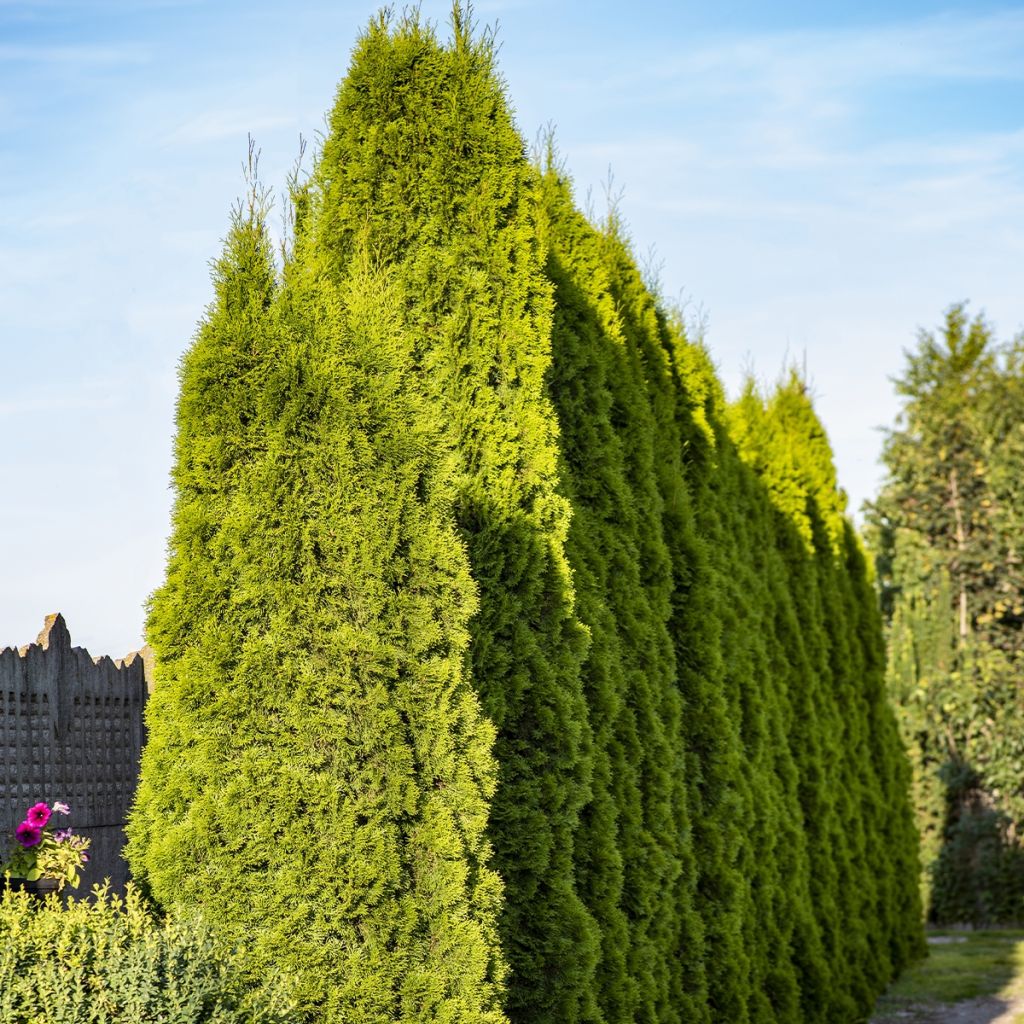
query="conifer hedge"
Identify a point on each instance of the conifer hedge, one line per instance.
(505, 671)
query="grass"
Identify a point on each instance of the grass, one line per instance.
(960, 965)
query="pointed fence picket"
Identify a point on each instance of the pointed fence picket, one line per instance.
(72, 729)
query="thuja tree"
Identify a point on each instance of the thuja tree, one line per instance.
(738, 528)
(743, 833)
(423, 165)
(946, 537)
(376, 696)
(687, 397)
(318, 771)
(767, 862)
(853, 778)
(635, 861)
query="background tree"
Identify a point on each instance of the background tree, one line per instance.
(946, 530)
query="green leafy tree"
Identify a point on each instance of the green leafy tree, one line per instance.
(946, 529)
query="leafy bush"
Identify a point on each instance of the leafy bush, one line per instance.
(978, 875)
(110, 961)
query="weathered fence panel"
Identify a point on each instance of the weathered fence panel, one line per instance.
(71, 729)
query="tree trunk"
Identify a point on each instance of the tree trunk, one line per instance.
(961, 544)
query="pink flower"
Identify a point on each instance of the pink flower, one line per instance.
(62, 835)
(38, 815)
(59, 807)
(28, 834)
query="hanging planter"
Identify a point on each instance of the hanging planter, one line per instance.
(44, 861)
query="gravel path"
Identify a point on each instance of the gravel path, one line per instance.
(987, 1010)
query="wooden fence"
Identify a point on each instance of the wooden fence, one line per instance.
(71, 729)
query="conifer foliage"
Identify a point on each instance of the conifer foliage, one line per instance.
(505, 673)
(318, 768)
(424, 161)
(947, 528)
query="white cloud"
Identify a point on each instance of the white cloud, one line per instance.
(72, 55)
(949, 46)
(213, 125)
(788, 99)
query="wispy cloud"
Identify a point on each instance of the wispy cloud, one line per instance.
(779, 130)
(32, 54)
(782, 96)
(938, 47)
(56, 403)
(213, 125)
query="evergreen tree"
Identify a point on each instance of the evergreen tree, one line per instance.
(318, 771)
(424, 165)
(502, 669)
(946, 528)
(635, 863)
(688, 400)
(862, 848)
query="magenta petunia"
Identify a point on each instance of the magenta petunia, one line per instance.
(38, 815)
(28, 834)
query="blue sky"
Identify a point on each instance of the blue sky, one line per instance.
(817, 181)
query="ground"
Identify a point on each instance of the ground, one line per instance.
(968, 978)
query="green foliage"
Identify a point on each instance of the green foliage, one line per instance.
(723, 531)
(111, 961)
(424, 165)
(978, 875)
(318, 771)
(503, 671)
(946, 530)
(857, 852)
(635, 864)
(782, 439)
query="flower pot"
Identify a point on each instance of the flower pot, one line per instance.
(40, 888)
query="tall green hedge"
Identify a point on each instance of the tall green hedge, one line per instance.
(505, 671)
(635, 860)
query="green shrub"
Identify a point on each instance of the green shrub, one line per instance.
(110, 961)
(978, 875)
